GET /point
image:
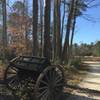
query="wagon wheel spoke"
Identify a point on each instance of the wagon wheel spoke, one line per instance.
(50, 84)
(58, 79)
(45, 96)
(43, 92)
(44, 82)
(11, 72)
(14, 83)
(14, 68)
(47, 78)
(11, 79)
(41, 88)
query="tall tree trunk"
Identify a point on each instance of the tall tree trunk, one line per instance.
(25, 14)
(47, 43)
(57, 28)
(73, 29)
(62, 30)
(54, 35)
(72, 36)
(41, 21)
(66, 44)
(4, 35)
(35, 26)
(73, 26)
(63, 18)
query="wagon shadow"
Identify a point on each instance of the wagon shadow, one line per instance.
(64, 96)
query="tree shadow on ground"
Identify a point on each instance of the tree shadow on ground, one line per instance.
(89, 69)
(67, 96)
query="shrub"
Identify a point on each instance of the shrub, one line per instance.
(76, 62)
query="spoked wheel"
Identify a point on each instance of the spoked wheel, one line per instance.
(10, 78)
(50, 83)
(20, 87)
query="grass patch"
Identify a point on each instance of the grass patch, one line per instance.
(76, 62)
(72, 75)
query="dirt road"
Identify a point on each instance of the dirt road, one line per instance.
(90, 80)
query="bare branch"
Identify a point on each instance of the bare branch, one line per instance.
(91, 19)
(89, 2)
(95, 5)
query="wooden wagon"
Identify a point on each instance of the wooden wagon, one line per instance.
(35, 76)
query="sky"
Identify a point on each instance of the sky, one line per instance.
(87, 31)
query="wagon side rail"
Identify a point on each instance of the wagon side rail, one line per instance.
(13, 60)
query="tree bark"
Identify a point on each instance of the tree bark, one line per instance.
(73, 26)
(25, 14)
(4, 35)
(35, 26)
(41, 21)
(54, 35)
(57, 27)
(47, 43)
(73, 31)
(65, 54)
(62, 29)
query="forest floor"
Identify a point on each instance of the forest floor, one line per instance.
(81, 84)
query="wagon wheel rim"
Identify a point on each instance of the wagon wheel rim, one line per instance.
(50, 83)
(10, 77)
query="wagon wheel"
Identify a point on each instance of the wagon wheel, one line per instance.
(19, 88)
(50, 83)
(10, 78)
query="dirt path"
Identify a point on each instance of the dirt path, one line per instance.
(88, 79)
(92, 76)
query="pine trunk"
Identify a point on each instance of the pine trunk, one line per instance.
(47, 43)
(4, 35)
(35, 26)
(57, 40)
(65, 55)
(41, 23)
